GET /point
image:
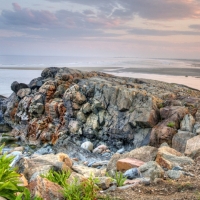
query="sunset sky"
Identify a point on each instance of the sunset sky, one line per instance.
(137, 28)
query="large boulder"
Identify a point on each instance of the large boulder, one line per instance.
(166, 129)
(193, 144)
(152, 170)
(128, 163)
(45, 189)
(41, 164)
(144, 154)
(15, 86)
(169, 158)
(180, 139)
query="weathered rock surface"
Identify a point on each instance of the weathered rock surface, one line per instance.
(187, 123)
(128, 163)
(180, 139)
(121, 113)
(169, 158)
(145, 154)
(46, 189)
(152, 170)
(41, 164)
(193, 144)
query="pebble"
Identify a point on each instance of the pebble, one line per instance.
(122, 150)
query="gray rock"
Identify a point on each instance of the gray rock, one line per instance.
(174, 174)
(187, 123)
(15, 86)
(122, 150)
(132, 173)
(151, 169)
(196, 129)
(180, 139)
(44, 150)
(23, 92)
(17, 156)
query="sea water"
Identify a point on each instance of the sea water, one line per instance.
(24, 68)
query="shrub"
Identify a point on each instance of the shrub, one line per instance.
(86, 190)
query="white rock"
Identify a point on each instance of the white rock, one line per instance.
(87, 145)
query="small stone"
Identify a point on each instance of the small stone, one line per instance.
(122, 150)
(177, 168)
(87, 145)
(132, 173)
(174, 174)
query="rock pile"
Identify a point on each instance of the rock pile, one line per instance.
(145, 129)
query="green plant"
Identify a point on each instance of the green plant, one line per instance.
(26, 195)
(86, 190)
(9, 179)
(171, 124)
(57, 177)
(118, 176)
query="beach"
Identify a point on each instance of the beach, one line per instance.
(24, 69)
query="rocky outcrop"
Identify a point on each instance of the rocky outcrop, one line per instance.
(120, 113)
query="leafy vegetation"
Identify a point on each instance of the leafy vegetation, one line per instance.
(9, 178)
(57, 177)
(118, 176)
(26, 195)
(9, 181)
(86, 190)
(171, 124)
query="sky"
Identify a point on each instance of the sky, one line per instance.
(136, 28)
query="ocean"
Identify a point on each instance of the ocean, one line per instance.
(24, 68)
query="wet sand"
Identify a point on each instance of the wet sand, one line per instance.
(195, 72)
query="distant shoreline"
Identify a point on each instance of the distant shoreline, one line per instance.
(194, 72)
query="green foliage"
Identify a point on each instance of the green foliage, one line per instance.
(9, 179)
(26, 195)
(86, 190)
(118, 176)
(160, 105)
(10, 182)
(171, 124)
(57, 177)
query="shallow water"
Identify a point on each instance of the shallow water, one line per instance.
(24, 68)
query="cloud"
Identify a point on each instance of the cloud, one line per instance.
(148, 9)
(155, 32)
(195, 26)
(26, 17)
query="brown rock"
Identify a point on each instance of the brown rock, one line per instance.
(88, 171)
(41, 164)
(145, 154)
(169, 158)
(128, 163)
(75, 176)
(161, 134)
(46, 189)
